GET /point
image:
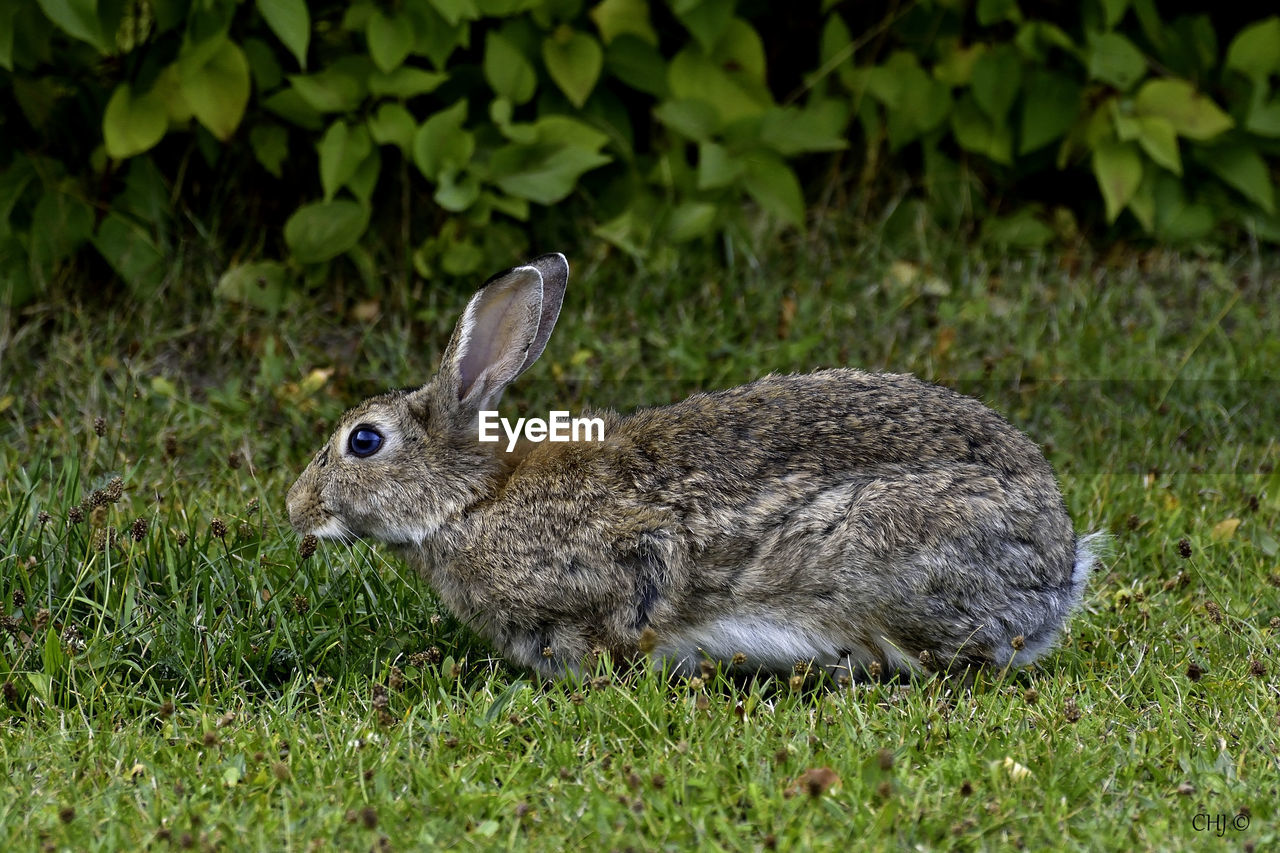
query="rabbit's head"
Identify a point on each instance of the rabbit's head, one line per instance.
(400, 464)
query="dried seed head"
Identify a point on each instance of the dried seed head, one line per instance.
(966, 788)
(658, 781)
(251, 506)
(11, 624)
(873, 669)
(171, 447)
(1184, 548)
(703, 702)
(99, 426)
(244, 532)
(1274, 623)
(1195, 671)
(548, 652)
(183, 539)
(9, 692)
(696, 683)
(707, 668)
(211, 738)
(884, 758)
(577, 698)
(66, 814)
(42, 620)
(648, 641)
(75, 515)
(218, 528)
(739, 658)
(114, 490)
(369, 817)
(1071, 710)
(1258, 668)
(43, 517)
(138, 530)
(166, 709)
(1214, 611)
(308, 545)
(381, 698)
(19, 599)
(301, 605)
(926, 659)
(796, 682)
(816, 781)
(281, 771)
(233, 460)
(1019, 643)
(396, 679)
(1030, 695)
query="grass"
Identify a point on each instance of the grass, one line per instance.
(177, 675)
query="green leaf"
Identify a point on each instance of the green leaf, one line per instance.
(817, 127)
(363, 182)
(78, 19)
(775, 188)
(1021, 230)
(1053, 105)
(574, 61)
(454, 11)
(695, 119)
(60, 224)
(508, 72)
(994, 11)
(1192, 114)
(691, 220)
(996, 77)
(442, 144)
(1118, 168)
(270, 143)
(545, 178)
(1114, 59)
(390, 39)
(293, 108)
(717, 167)
(340, 88)
(1114, 11)
(638, 64)
(1255, 51)
(393, 124)
(218, 90)
(456, 193)
(1242, 167)
(955, 67)
(741, 50)
(260, 284)
(1156, 136)
(704, 19)
(291, 22)
(132, 253)
(342, 149)
(1264, 115)
(405, 82)
(7, 14)
(692, 74)
(131, 125)
(1176, 219)
(977, 133)
(624, 17)
(263, 65)
(322, 230)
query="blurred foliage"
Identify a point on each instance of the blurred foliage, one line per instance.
(308, 131)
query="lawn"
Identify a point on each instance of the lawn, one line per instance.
(175, 672)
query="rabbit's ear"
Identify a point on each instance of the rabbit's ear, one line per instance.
(503, 330)
(555, 278)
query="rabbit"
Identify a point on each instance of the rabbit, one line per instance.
(866, 523)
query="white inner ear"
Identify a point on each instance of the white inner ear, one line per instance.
(499, 325)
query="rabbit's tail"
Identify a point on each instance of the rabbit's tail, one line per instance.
(1089, 549)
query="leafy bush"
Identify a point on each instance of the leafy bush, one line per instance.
(308, 121)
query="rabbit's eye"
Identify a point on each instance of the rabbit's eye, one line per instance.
(364, 441)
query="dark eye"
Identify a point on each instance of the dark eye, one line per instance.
(364, 441)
